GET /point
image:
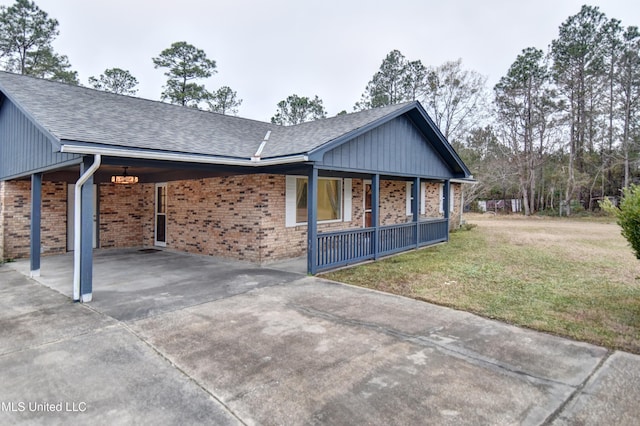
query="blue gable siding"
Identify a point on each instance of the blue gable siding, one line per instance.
(396, 147)
(24, 148)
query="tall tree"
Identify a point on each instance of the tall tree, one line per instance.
(522, 98)
(455, 98)
(224, 101)
(628, 81)
(577, 64)
(26, 36)
(298, 109)
(397, 80)
(612, 52)
(115, 80)
(415, 78)
(483, 153)
(185, 63)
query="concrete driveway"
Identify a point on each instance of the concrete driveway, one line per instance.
(180, 339)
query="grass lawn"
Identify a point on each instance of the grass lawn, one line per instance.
(572, 277)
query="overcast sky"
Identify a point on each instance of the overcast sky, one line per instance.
(267, 50)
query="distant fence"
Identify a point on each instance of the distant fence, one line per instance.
(513, 205)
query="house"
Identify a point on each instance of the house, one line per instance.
(339, 190)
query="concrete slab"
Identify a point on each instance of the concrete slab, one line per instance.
(611, 397)
(519, 350)
(131, 284)
(106, 377)
(297, 265)
(286, 356)
(193, 339)
(63, 363)
(32, 315)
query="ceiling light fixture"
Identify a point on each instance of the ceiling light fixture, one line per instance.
(124, 178)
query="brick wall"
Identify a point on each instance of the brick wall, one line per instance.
(15, 218)
(393, 202)
(121, 215)
(282, 242)
(216, 216)
(432, 204)
(241, 217)
(454, 216)
(54, 217)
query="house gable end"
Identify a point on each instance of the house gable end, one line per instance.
(24, 147)
(397, 146)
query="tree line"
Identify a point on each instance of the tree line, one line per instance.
(560, 130)
(26, 36)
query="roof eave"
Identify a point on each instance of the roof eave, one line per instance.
(470, 180)
(143, 154)
(444, 142)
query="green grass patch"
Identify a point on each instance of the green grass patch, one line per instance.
(593, 298)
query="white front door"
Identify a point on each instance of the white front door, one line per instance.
(71, 203)
(160, 234)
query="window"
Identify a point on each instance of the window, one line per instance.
(409, 199)
(160, 238)
(451, 194)
(334, 200)
(329, 199)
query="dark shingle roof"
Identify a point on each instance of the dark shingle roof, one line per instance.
(80, 114)
(306, 137)
(74, 113)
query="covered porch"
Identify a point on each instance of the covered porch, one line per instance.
(336, 248)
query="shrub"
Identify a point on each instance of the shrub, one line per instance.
(627, 215)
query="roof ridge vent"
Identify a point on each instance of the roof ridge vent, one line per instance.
(256, 156)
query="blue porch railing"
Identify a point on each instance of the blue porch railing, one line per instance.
(356, 245)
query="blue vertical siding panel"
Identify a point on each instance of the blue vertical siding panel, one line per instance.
(338, 157)
(332, 157)
(399, 133)
(394, 147)
(413, 160)
(23, 147)
(352, 149)
(367, 149)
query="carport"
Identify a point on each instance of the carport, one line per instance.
(135, 283)
(341, 190)
(93, 176)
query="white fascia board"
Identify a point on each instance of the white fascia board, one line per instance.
(470, 180)
(179, 157)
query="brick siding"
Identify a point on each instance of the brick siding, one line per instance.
(15, 218)
(240, 217)
(121, 214)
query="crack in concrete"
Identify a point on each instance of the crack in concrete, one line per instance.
(420, 340)
(577, 391)
(172, 364)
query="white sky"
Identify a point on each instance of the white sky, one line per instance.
(267, 50)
